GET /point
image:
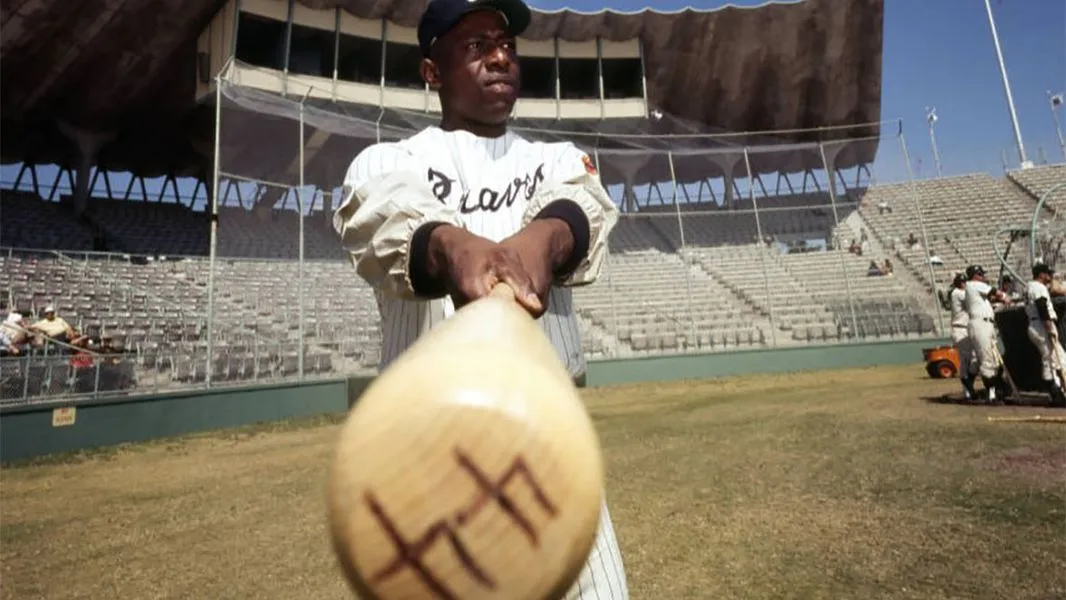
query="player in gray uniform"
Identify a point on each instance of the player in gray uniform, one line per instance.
(436, 220)
(955, 301)
(982, 328)
(1043, 331)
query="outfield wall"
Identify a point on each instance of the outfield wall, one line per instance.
(34, 431)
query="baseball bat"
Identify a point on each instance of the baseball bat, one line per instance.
(469, 469)
(1032, 419)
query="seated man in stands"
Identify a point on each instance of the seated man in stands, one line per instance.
(13, 334)
(54, 327)
(873, 270)
(886, 269)
(912, 241)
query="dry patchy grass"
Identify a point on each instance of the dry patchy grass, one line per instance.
(824, 485)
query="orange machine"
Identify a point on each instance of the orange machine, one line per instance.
(941, 362)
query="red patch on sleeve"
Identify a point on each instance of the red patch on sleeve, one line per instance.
(591, 168)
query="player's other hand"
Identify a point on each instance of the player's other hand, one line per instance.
(470, 266)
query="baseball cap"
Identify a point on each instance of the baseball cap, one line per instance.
(49, 309)
(442, 15)
(974, 270)
(1041, 269)
(959, 278)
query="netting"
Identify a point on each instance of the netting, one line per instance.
(726, 242)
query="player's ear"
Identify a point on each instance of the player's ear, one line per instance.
(430, 73)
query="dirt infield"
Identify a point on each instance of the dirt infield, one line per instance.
(830, 485)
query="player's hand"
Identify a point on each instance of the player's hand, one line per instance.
(542, 246)
(470, 266)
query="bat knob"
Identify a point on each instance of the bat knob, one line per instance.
(503, 291)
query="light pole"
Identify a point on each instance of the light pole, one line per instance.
(1006, 88)
(1055, 101)
(930, 115)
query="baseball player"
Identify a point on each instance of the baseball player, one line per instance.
(955, 300)
(434, 221)
(1043, 330)
(982, 328)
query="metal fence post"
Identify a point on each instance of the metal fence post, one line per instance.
(762, 258)
(836, 221)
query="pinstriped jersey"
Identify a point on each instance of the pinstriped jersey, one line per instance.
(1034, 292)
(488, 182)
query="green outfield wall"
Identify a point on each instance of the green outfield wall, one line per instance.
(34, 431)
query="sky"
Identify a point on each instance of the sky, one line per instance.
(939, 53)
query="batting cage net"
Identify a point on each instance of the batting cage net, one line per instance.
(726, 241)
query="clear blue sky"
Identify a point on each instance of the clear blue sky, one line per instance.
(938, 53)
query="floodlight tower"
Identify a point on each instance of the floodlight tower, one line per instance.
(1006, 88)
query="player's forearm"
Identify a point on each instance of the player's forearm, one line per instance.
(590, 214)
(564, 232)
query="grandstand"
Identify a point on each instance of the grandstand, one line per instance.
(728, 241)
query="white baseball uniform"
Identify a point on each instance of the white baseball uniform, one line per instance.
(982, 327)
(492, 187)
(1047, 343)
(960, 333)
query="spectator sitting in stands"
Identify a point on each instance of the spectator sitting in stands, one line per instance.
(54, 327)
(934, 259)
(873, 270)
(883, 207)
(912, 241)
(886, 269)
(13, 334)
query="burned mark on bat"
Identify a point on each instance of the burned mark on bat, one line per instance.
(410, 553)
(493, 490)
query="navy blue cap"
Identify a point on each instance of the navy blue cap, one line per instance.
(1041, 269)
(442, 15)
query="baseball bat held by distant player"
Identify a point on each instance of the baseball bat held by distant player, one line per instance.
(469, 469)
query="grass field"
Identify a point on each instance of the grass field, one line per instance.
(848, 484)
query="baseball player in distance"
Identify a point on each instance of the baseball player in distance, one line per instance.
(982, 328)
(955, 301)
(436, 220)
(1043, 331)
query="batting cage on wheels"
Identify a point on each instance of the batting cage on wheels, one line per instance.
(1040, 239)
(726, 241)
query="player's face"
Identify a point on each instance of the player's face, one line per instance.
(476, 70)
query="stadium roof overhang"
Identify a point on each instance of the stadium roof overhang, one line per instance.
(129, 69)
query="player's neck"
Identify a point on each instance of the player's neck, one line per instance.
(453, 123)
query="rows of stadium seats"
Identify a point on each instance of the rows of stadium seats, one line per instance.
(960, 215)
(653, 302)
(724, 289)
(27, 222)
(1040, 180)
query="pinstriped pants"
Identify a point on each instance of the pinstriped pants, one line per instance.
(604, 576)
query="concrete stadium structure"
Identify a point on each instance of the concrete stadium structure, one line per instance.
(731, 255)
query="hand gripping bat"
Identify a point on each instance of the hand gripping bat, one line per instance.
(469, 469)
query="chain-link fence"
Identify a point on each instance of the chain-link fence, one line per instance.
(725, 243)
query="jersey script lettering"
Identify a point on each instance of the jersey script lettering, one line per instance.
(486, 199)
(410, 553)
